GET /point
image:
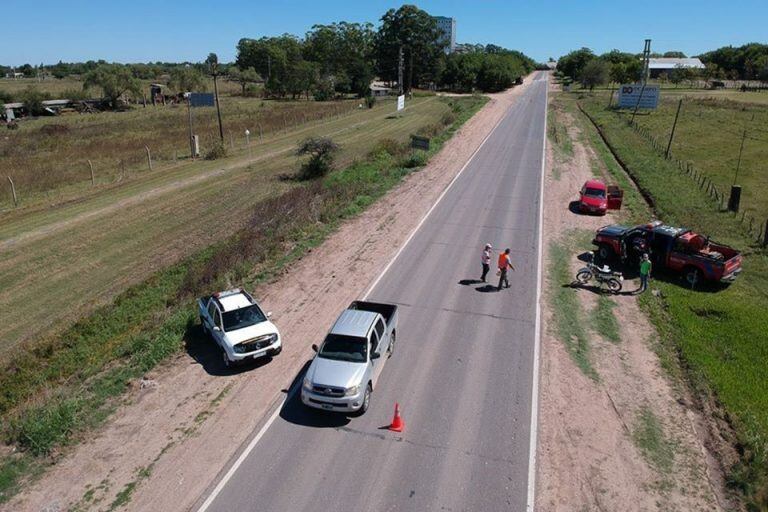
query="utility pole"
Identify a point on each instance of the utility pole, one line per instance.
(400, 70)
(213, 64)
(674, 125)
(646, 60)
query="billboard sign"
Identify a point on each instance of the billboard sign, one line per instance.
(630, 94)
(201, 99)
(400, 102)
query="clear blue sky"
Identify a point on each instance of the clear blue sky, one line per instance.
(176, 30)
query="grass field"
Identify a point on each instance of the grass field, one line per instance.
(721, 335)
(54, 393)
(48, 157)
(59, 263)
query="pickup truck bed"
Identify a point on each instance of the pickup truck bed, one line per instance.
(388, 311)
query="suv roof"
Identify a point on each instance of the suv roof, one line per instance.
(353, 322)
(233, 299)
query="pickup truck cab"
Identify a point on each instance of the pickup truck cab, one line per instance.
(348, 363)
(676, 249)
(597, 197)
(238, 325)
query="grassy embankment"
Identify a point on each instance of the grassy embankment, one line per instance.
(56, 392)
(720, 335)
(87, 251)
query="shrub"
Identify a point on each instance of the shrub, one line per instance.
(218, 150)
(321, 151)
(391, 147)
(417, 159)
(5, 96)
(370, 101)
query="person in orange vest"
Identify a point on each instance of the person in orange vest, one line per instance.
(504, 264)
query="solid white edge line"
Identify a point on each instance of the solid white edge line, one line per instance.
(289, 395)
(531, 504)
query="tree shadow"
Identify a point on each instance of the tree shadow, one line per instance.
(207, 354)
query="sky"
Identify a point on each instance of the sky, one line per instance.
(176, 30)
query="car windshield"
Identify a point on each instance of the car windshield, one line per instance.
(345, 348)
(243, 317)
(594, 192)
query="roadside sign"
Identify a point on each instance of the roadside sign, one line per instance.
(420, 142)
(400, 102)
(629, 95)
(201, 99)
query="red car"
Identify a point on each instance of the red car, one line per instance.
(597, 197)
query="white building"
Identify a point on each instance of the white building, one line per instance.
(447, 27)
(657, 66)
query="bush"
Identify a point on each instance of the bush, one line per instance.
(33, 100)
(416, 159)
(321, 151)
(5, 97)
(370, 101)
(391, 147)
(218, 150)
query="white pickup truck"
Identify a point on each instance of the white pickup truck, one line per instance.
(344, 372)
(238, 325)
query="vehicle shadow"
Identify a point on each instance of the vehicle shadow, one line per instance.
(598, 290)
(207, 354)
(294, 411)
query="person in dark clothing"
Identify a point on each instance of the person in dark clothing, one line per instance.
(504, 264)
(485, 259)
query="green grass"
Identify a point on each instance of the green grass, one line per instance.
(604, 320)
(719, 334)
(55, 392)
(570, 324)
(648, 435)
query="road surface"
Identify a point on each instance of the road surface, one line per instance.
(463, 368)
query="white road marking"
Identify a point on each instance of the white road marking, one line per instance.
(292, 391)
(531, 502)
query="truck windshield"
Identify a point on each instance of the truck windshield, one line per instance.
(243, 317)
(594, 192)
(344, 348)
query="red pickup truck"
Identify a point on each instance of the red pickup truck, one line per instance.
(695, 256)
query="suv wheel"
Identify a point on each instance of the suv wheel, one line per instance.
(227, 362)
(366, 400)
(391, 348)
(692, 276)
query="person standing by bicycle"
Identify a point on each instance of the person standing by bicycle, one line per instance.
(645, 273)
(504, 264)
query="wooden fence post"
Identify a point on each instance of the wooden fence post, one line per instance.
(93, 177)
(765, 234)
(149, 157)
(13, 191)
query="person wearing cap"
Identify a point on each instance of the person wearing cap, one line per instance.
(485, 259)
(504, 264)
(645, 273)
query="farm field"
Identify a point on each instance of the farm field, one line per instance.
(48, 157)
(95, 247)
(719, 333)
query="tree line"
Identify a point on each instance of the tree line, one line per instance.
(748, 62)
(343, 58)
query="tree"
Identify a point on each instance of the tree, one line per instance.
(674, 55)
(595, 72)
(344, 54)
(761, 68)
(114, 80)
(186, 79)
(415, 31)
(573, 63)
(243, 77)
(321, 151)
(275, 58)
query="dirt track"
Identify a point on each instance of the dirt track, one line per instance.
(188, 418)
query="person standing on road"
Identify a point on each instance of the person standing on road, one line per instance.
(485, 259)
(645, 272)
(504, 264)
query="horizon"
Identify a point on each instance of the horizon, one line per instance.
(144, 33)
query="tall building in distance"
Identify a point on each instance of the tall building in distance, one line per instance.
(447, 27)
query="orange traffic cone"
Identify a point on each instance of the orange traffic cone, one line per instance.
(397, 422)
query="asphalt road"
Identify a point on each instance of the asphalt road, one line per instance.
(462, 370)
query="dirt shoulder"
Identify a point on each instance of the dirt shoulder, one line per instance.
(615, 431)
(180, 425)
